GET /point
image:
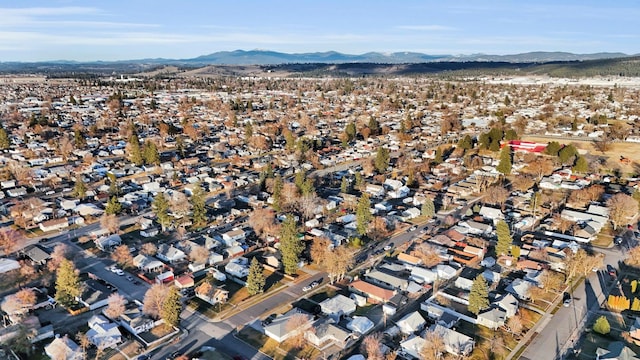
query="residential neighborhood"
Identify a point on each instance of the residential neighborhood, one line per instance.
(318, 218)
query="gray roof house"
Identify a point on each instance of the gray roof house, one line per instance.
(337, 306)
(493, 318)
(279, 330)
(454, 342)
(411, 323)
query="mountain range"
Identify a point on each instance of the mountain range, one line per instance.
(266, 57)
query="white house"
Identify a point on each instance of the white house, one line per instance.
(103, 333)
(279, 330)
(231, 237)
(63, 348)
(338, 306)
(237, 269)
(170, 253)
(411, 323)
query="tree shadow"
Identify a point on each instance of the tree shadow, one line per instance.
(590, 294)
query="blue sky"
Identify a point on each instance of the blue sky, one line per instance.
(135, 29)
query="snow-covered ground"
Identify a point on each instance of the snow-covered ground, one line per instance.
(539, 80)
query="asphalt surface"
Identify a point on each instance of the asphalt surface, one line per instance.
(562, 331)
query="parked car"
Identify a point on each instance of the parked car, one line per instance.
(413, 228)
(129, 277)
(388, 247)
(612, 271)
(310, 286)
(566, 299)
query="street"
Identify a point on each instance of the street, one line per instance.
(564, 327)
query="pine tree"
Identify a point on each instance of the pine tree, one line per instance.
(505, 161)
(171, 307)
(135, 154)
(277, 193)
(4, 139)
(581, 165)
(374, 126)
(438, 156)
(504, 238)
(363, 214)
(291, 245)
(78, 139)
(255, 279)
(67, 283)
(198, 206)
(350, 132)
(479, 295)
(344, 185)
(428, 208)
(150, 153)
(381, 161)
(79, 189)
(160, 207)
(113, 206)
(602, 326)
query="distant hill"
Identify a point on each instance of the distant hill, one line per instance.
(257, 62)
(265, 57)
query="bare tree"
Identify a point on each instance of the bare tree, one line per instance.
(153, 299)
(83, 341)
(371, 346)
(515, 325)
(115, 306)
(199, 254)
(633, 257)
(319, 249)
(261, 220)
(122, 256)
(433, 347)
(378, 228)
(497, 195)
(540, 167)
(149, 249)
(622, 208)
(296, 325)
(110, 223)
(60, 252)
(8, 240)
(428, 254)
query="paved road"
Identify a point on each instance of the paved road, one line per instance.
(560, 333)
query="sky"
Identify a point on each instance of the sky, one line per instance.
(40, 30)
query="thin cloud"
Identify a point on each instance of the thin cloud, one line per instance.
(426, 27)
(48, 11)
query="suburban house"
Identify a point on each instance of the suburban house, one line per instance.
(231, 237)
(411, 323)
(37, 254)
(386, 280)
(327, 334)
(279, 330)
(360, 325)
(108, 242)
(212, 294)
(413, 346)
(237, 268)
(103, 333)
(492, 318)
(54, 225)
(617, 350)
(64, 348)
(94, 294)
(338, 306)
(372, 292)
(147, 263)
(455, 343)
(170, 254)
(135, 321)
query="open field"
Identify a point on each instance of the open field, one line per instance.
(626, 149)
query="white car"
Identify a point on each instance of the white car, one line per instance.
(119, 272)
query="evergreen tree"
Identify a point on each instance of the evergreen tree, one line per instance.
(4, 139)
(381, 162)
(428, 208)
(350, 131)
(359, 181)
(344, 185)
(150, 153)
(277, 193)
(135, 154)
(438, 156)
(113, 206)
(255, 279)
(567, 153)
(79, 190)
(479, 295)
(160, 207)
(303, 183)
(78, 139)
(504, 166)
(511, 135)
(291, 245)
(602, 326)
(171, 307)
(363, 214)
(504, 238)
(198, 206)
(67, 283)
(553, 148)
(466, 143)
(581, 165)
(374, 126)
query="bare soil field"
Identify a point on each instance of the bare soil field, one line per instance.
(624, 149)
